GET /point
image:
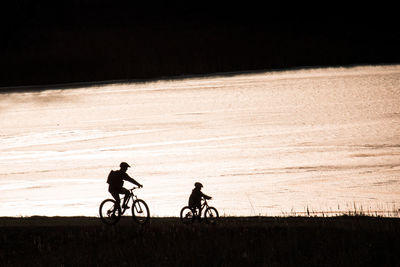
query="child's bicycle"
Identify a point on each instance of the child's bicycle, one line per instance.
(110, 212)
(189, 215)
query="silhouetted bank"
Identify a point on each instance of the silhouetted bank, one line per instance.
(254, 241)
(53, 42)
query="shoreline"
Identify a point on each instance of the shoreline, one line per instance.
(76, 85)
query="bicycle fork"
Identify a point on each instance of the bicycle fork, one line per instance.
(138, 207)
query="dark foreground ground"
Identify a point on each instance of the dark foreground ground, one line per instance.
(256, 241)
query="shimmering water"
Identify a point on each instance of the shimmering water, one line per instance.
(266, 143)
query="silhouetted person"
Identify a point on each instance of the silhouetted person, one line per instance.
(116, 181)
(196, 196)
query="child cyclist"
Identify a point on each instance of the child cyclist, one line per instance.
(196, 196)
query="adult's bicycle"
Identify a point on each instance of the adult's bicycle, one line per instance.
(111, 212)
(189, 215)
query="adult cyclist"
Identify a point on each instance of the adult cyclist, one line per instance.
(116, 181)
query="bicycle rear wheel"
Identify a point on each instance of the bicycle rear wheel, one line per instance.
(140, 211)
(187, 215)
(211, 215)
(109, 212)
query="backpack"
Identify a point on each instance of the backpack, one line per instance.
(111, 177)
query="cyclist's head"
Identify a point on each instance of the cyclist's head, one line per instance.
(198, 185)
(124, 165)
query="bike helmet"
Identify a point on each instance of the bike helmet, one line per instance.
(124, 164)
(197, 184)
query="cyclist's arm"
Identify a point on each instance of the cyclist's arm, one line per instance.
(133, 181)
(205, 196)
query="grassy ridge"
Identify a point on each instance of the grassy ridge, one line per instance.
(256, 241)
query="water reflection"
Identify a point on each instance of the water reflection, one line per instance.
(264, 144)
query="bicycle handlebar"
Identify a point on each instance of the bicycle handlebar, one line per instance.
(135, 187)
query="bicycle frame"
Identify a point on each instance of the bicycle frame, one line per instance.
(111, 211)
(204, 206)
(131, 196)
(189, 214)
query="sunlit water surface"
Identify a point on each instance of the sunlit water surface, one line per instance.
(270, 143)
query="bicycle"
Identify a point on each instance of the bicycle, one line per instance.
(189, 215)
(110, 211)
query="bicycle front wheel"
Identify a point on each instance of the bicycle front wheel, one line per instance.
(109, 212)
(211, 215)
(187, 215)
(140, 212)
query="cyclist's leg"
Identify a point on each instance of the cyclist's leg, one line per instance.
(194, 205)
(116, 197)
(198, 209)
(126, 198)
